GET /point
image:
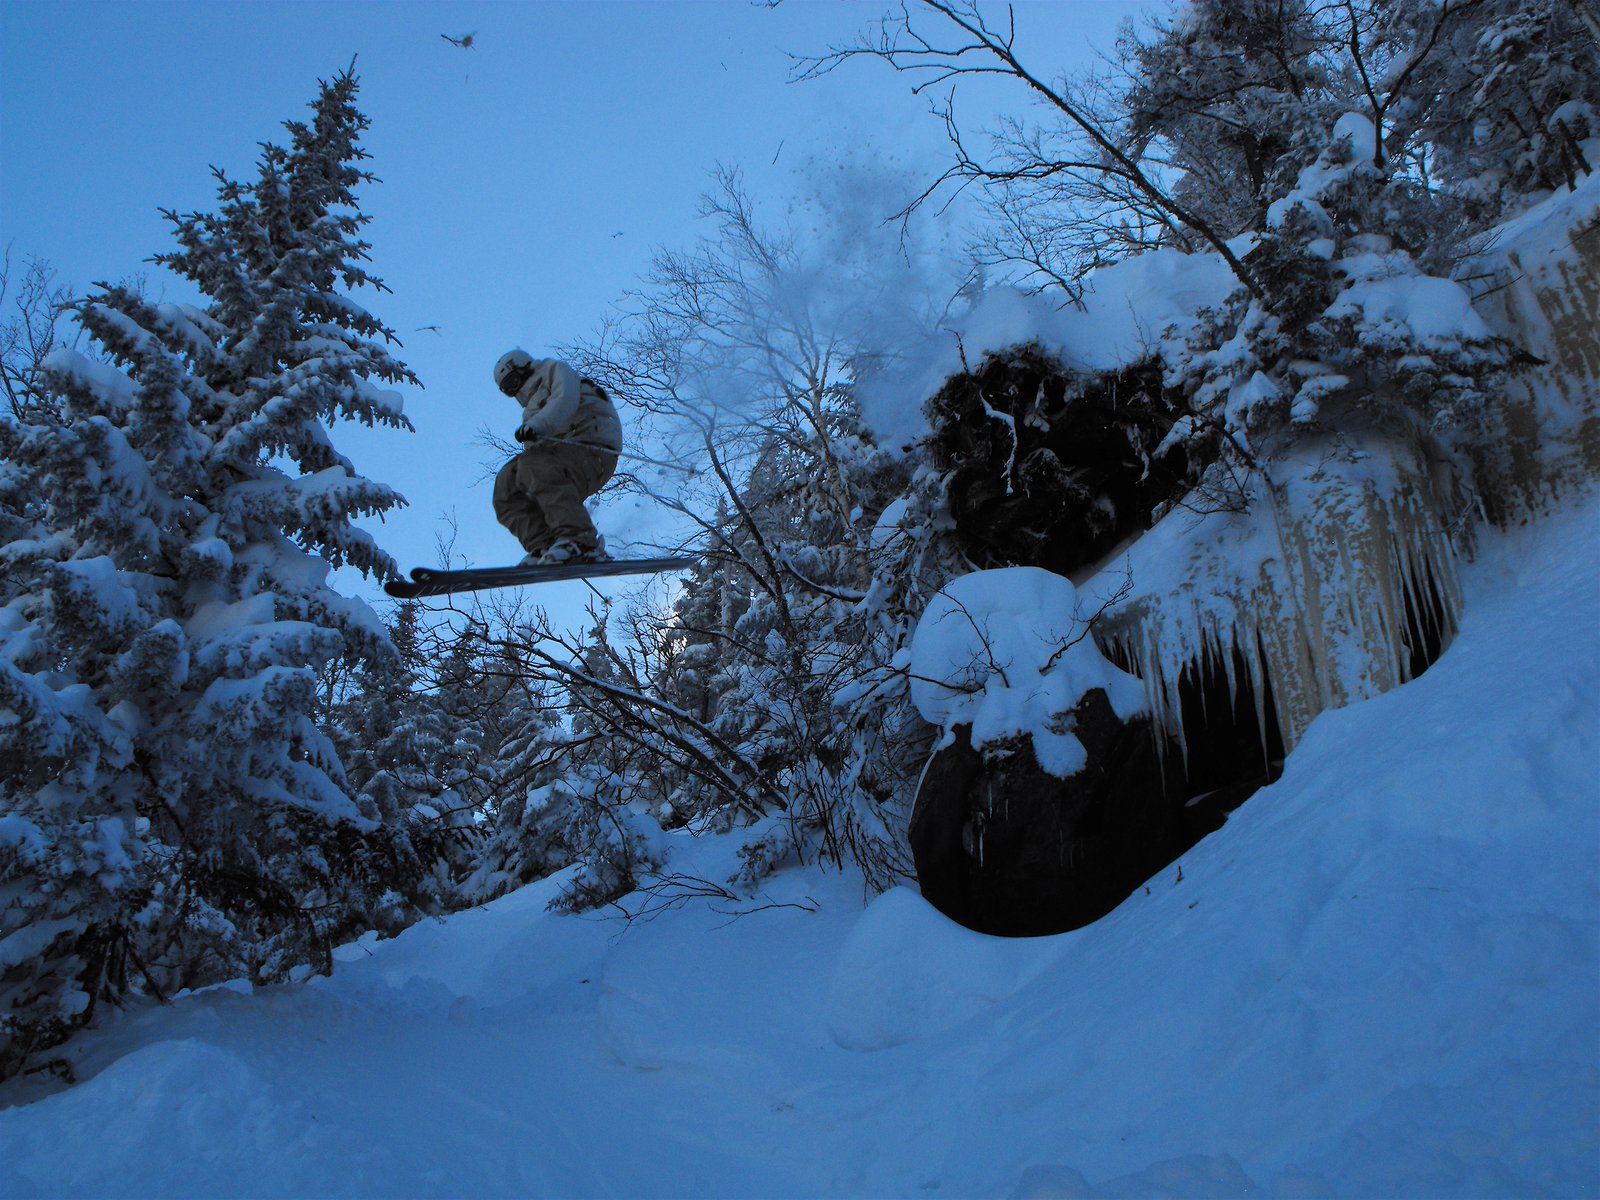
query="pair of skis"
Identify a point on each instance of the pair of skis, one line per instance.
(425, 581)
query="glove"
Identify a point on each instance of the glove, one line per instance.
(526, 435)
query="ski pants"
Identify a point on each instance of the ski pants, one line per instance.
(539, 494)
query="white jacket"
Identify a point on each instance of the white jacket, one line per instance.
(556, 404)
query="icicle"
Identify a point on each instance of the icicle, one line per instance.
(1258, 682)
(1351, 591)
(1230, 673)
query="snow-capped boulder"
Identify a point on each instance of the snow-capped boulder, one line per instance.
(1008, 655)
(1047, 802)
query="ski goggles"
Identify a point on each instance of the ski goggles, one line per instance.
(514, 379)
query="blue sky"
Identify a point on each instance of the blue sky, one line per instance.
(526, 181)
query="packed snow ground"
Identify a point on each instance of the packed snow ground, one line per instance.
(1382, 978)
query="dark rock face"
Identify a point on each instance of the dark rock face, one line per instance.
(1005, 848)
(1052, 470)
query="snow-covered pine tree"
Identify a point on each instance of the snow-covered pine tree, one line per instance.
(1308, 127)
(1352, 329)
(414, 758)
(693, 671)
(1236, 94)
(563, 788)
(172, 814)
(1512, 98)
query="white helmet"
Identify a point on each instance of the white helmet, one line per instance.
(512, 368)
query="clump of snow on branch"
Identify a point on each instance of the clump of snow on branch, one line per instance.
(1008, 653)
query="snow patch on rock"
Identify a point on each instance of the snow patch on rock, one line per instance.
(1008, 652)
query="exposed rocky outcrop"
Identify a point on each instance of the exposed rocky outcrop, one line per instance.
(1053, 469)
(1005, 848)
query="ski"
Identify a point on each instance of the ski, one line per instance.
(425, 581)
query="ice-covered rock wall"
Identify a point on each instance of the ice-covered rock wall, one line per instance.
(1338, 582)
(1538, 285)
(1325, 574)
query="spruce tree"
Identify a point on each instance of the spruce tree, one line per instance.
(414, 757)
(172, 815)
(526, 752)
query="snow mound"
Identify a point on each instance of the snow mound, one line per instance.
(907, 972)
(184, 1092)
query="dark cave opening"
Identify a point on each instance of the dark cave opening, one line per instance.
(1004, 848)
(1428, 628)
(1231, 746)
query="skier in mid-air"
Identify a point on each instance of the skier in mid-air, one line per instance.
(571, 440)
(571, 437)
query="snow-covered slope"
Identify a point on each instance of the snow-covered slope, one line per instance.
(1381, 978)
